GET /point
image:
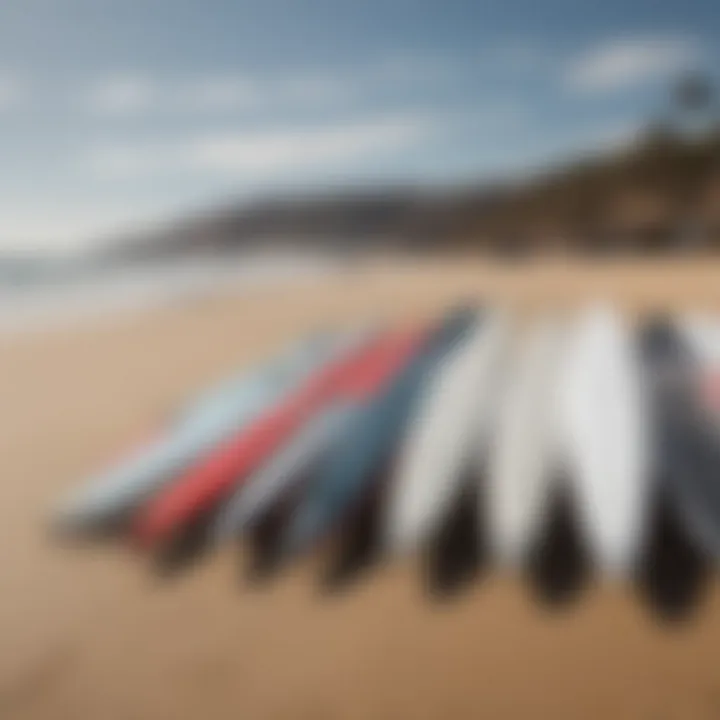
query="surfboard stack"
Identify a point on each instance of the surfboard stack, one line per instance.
(552, 444)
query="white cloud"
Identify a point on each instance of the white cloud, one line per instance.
(228, 92)
(626, 62)
(235, 90)
(122, 95)
(262, 153)
(269, 152)
(243, 92)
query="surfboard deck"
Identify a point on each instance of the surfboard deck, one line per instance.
(524, 456)
(452, 420)
(604, 426)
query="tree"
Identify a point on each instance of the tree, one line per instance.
(693, 93)
(693, 99)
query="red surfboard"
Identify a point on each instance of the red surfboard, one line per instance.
(205, 484)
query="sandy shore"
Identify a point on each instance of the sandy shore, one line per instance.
(90, 634)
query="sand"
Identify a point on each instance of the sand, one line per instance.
(90, 633)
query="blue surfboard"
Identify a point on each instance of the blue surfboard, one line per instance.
(369, 439)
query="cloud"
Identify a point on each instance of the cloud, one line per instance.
(28, 224)
(122, 96)
(262, 153)
(269, 152)
(226, 92)
(628, 62)
(235, 90)
(46, 224)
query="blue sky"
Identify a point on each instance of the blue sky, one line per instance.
(116, 114)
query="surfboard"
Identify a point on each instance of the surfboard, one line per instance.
(687, 452)
(293, 461)
(217, 414)
(604, 429)
(452, 419)
(369, 441)
(252, 500)
(524, 453)
(701, 333)
(211, 481)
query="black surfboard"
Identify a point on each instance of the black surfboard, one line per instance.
(685, 532)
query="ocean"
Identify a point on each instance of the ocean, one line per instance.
(41, 296)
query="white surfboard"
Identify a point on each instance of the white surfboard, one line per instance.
(604, 425)
(524, 454)
(442, 441)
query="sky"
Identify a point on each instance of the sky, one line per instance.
(116, 115)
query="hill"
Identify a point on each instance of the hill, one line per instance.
(661, 194)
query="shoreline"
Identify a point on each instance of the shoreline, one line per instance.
(43, 307)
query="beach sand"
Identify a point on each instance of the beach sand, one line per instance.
(90, 633)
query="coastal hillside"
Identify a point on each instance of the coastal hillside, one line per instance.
(659, 194)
